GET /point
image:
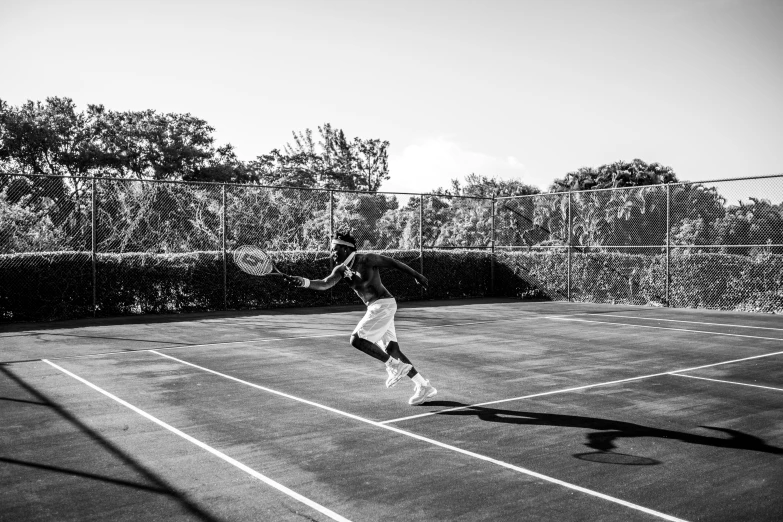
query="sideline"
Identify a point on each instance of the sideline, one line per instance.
(253, 473)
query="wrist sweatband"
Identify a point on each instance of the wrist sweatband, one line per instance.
(305, 283)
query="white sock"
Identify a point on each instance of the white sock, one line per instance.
(419, 380)
(391, 361)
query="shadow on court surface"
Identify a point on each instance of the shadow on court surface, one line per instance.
(244, 314)
(607, 431)
(156, 485)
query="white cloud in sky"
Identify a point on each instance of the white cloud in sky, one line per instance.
(433, 163)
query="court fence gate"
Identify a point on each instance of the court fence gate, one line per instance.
(79, 246)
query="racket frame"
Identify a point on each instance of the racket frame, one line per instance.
(259, 252)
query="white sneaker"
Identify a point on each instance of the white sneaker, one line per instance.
(391, 380)
(396, 370)
(422, 393)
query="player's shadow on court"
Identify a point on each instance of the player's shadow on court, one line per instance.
(606, 431)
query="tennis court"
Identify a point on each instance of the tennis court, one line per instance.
(545, 411)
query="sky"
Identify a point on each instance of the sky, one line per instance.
(513, 89)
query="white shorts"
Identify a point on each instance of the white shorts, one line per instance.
(377, 325)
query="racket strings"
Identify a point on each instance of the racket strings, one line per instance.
(253, 260)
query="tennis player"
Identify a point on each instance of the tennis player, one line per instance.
(375, 334)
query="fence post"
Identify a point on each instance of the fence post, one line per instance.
(331, 235)
(421, 239)
(668, 239)
(223, 246)
(331, 216)
(94, 249)
(492, 252)
(568, 243)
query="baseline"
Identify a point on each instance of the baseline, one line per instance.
(433, 442)
(253, 473)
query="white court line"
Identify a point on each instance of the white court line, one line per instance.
(253, 473)
(727, 382)
(269, 339)
(261, 340)
(577, 388)
(561, 318)
(682, 321)
(435, 443)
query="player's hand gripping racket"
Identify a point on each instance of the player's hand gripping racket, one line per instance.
(254, 261)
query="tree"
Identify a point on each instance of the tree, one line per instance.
(456, 217)
(149, 145)
(618, 217)
(366, 217)
(614, 175)
(50, 138)
(709, 221)
(53, 138)
(371, 161)
(334, 162)
(481, 186)
(468, 222)
(759, 222)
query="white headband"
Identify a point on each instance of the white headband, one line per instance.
(341, 242)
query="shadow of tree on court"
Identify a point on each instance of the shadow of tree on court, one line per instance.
(152, 482)
(606, 431)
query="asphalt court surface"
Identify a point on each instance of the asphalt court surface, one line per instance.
(545, 411)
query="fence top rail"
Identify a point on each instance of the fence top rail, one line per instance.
(662, 246)
(246, 185)
(422, 194)
(677, 184)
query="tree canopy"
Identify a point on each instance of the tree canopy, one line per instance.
(333, 162)
(614, 175)
(55, 138)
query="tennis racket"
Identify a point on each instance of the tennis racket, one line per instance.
(254, 261)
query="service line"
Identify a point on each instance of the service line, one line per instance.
(681, 321)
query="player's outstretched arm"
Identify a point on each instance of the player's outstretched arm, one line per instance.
(317, 284)
(388, 262)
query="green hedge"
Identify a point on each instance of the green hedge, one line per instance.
(45, 286)
(697, 280)
(48, 286)
(58, 285)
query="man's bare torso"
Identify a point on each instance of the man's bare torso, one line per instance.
(366, 280)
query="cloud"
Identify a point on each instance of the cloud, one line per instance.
(433, 163)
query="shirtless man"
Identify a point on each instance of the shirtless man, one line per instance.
(375, 334)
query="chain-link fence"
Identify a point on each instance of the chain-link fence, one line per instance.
(704, 245)
(72, 247)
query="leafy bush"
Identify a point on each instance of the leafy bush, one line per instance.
(45, 286)
(697, 280)
(49, 286)
(728, 282)
(58, 285)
